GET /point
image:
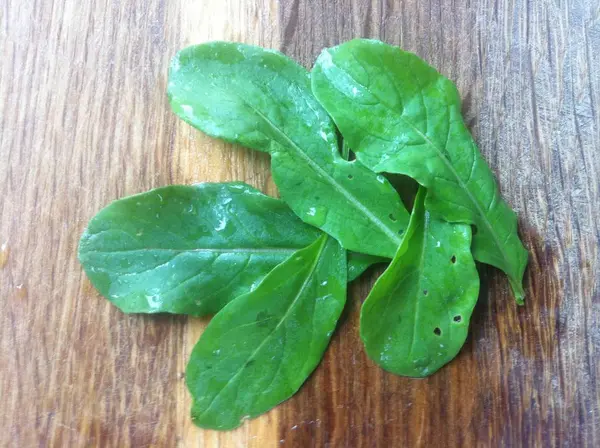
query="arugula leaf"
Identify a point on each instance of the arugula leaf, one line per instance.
(417, 315)
(259, 349)
(188, 249)
(401, 116)
(262, 99)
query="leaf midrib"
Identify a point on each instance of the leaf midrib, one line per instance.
(283, 318)
(351, 198)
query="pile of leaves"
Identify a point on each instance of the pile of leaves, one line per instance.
(274, 271)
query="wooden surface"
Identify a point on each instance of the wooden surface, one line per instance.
(84, 120)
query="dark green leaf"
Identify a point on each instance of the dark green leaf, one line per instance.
(188, 249)
(259, 349)
(261, 99)
(401, 116)
(417, 315)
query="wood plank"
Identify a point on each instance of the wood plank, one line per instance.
(84, 120)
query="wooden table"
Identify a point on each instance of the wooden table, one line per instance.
(85, 120)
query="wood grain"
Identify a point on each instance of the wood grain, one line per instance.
(84, 120)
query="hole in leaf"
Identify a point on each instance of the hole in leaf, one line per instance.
(425, 292)
(350, 176)
(437, 331)
(392, 217)
(400, 232)
(457, 318)
(453, 259)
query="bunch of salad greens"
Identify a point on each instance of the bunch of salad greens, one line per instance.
(274, 271)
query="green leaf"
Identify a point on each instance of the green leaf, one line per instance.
(259, 350)
(417, 315)
(188, 249)
(401, 116)
(261, 99)
(359, 263)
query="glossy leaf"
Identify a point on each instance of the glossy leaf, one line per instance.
(259, 350)
(417, 315)
(188, 249)
(401, 116)
(262, 99)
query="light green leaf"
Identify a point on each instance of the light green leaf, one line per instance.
(259, 349)
(261, 99)
(417, 315)
(401, 116)
(188, 249)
